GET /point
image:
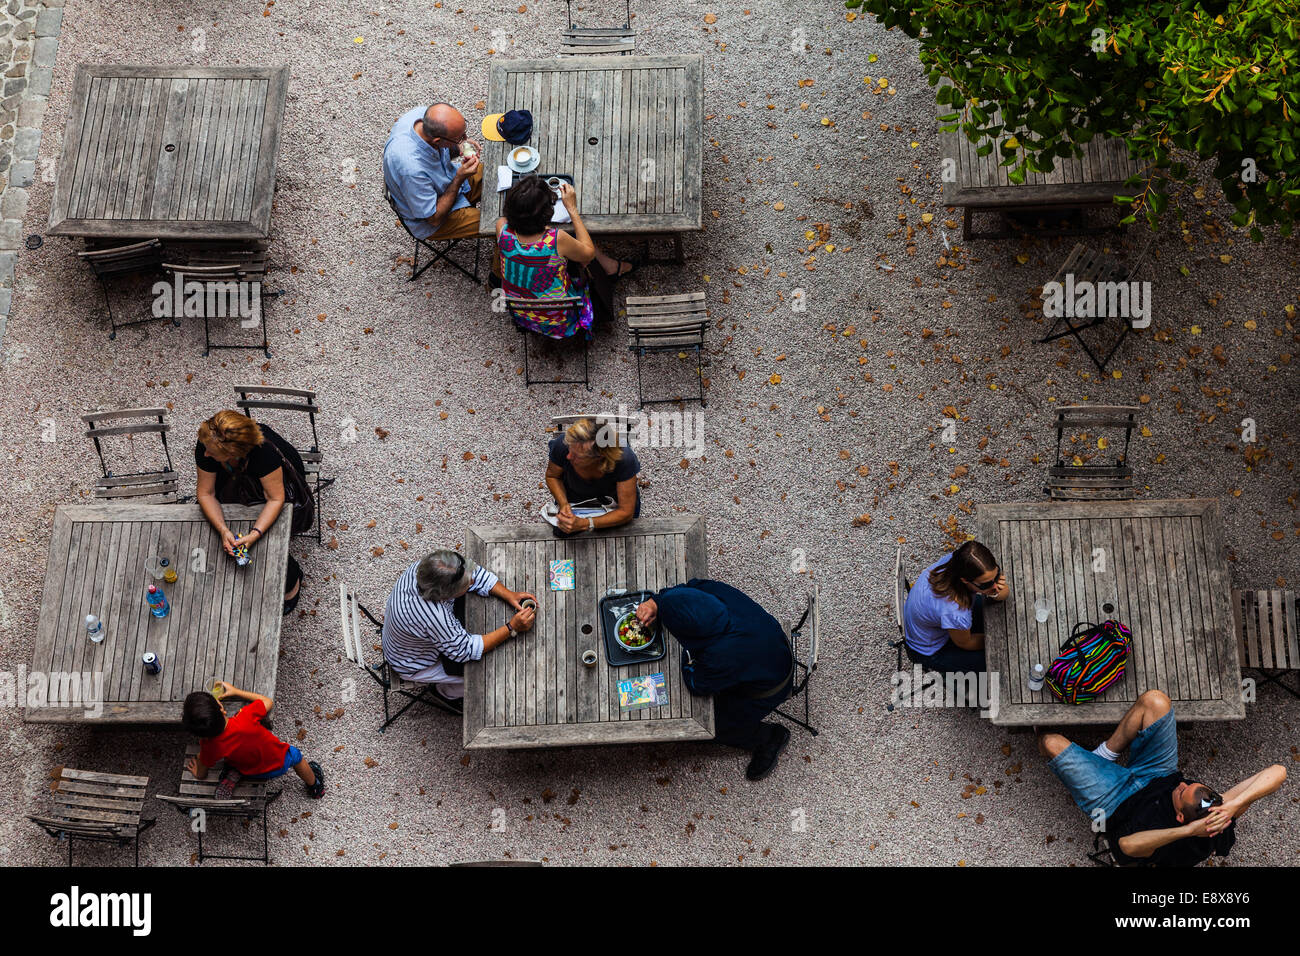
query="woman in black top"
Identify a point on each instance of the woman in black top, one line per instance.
(583, 466)
(231, 444)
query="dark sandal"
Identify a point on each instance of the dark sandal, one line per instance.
(633, 265)
(317, 789)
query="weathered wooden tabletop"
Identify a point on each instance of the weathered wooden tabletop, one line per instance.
(1095, 178)
(629, 130)
(224, 621)
(534, 690)
(170, 152)
(1160, 564)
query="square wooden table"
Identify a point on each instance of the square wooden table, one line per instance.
(224, 622)
(630, 130)
(1159, 564)
(981, 182)
(534, 690)
(170, 152)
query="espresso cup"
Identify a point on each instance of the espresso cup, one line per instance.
(589, 658)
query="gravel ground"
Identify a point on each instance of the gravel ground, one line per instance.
(789, 462)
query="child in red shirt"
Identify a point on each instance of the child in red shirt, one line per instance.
(245, 745)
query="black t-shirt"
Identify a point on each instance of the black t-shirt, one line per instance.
(259, 463)
(1152, 808)
(606, 486)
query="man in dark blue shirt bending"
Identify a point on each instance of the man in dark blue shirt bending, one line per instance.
(737, 652)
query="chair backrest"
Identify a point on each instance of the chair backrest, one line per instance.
(106, 803)
(1266, 626)
(212, 272)
(621, 423)
(136, 257)
(351, 614)
(664, 321)
(557, 308)
(392, 203)
(900, 589)
(811, 624)
(130, 422)
(251, 398)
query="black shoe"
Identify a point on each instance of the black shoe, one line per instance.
(764, 760)
(291, 603)
(230, 778)
(455, 704)
(317, 789)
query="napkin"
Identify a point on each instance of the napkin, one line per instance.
(504, 178)
(561, 213)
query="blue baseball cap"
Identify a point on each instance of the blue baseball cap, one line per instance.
(514, 127)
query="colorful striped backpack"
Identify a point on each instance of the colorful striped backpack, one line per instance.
(1091, 660)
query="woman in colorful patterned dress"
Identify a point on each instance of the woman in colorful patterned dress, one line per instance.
(541, 261)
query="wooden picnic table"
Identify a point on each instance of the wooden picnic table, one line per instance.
(980, 182)
(224, 622)
(181, 153)
(1162, 568)
(534, 691)
(630, 131)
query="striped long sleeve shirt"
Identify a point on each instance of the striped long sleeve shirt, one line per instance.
(418, 632)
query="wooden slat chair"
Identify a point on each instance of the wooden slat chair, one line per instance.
(138, 257)
(1267, 635)
(97, 808)
(359, 638)
(131, 422)
(252, 398)
(667, 323)
(1088, 482)
(439, 248)
(1094, 266)
(901, 588)
(223, 281)
(808, 665)
(1103, 855)
(586, 41)
(197, 801)
(569, 305)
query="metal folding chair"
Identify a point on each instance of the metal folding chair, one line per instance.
(586, 41)
(351, 612)
(223, 285)
(1267, 634)
(302, 401)
(438, 248)
(566, 305)
(161, 481)
(120, 261)
(901, 588)
(97, 808)
(197, 800)
(667, 323)
(1087, 481)
(809, 664)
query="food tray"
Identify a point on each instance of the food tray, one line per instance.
(610, 608)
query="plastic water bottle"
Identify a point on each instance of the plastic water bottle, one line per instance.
(94, 629)
(158, 605)
(1036, 677)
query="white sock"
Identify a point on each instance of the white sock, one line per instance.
(1105, 752)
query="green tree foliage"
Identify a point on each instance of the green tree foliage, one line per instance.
(1218, 79)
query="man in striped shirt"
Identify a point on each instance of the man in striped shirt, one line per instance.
(424, 636)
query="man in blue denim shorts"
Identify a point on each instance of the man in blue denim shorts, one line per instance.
(1149, 811)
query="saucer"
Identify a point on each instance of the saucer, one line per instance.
(534, 160)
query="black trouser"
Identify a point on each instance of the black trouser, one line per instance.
(292, 574)
(739, 720)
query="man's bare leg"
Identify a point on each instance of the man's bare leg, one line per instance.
(1148, 708)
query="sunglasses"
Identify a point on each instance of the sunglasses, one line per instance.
(992, 585)
(1212, 800)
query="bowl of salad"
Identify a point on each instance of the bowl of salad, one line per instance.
(631, 634)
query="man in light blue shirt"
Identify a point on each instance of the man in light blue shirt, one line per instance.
(436, 198)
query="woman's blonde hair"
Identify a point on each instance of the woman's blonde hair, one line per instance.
(586, 430)
(229, 435)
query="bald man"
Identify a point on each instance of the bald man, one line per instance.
(435, 197)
